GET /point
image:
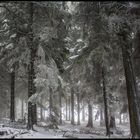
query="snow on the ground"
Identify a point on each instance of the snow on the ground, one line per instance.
(65, 130)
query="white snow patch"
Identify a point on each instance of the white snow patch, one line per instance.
(79, 50)
(9, 46)
(71, 50)
(80, 131)
(73, 57)
(6, 20)
(79, 40)
(67, 67)
(67, 39)
(13, 36)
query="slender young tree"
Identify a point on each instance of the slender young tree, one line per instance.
(72, 106)
(78, 108)
(83, 111)
(60, 103)
(12, 109)
(69, 102)
(50, 105)
(66, 109)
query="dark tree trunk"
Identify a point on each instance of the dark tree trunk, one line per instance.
(41, 109)
(69, 109)
(50, 104)
(105, 104)
(22, 109)
(78, 109)
(112, 122)
(132, 94)
(72, 106)
(30, 120)
(66, 110)
(83, 112)
(30, 69)
(34, 113)
(60, 101)
(34, 107)
(53, 114)
(12, 110)
(90, 118)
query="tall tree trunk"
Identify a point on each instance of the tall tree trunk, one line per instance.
(90, 115)
(105, 104)
(72, 106)
(132, 94)
(30, 68)
(83, 112)
(34, 106)
(78, 109)
(112, 123)
(60, 102)
(66, 109)
(50, 104)
(22, 109)
(34, 114)
(12, 109)
(69, 109)
(54, 114)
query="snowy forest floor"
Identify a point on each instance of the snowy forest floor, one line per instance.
(66, 130)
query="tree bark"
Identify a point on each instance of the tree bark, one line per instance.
(72, 106)
(132, 94)
(60, 102)
(69, 109)
(78, 109)
(112, 122)
(12, 110)
(54, 121)
(105, 104)
(90, 118)
(30, 68)
(50, 104)
(34, 106)
(83, 112)
(34, 113)
(22, 109)
(66, 110)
